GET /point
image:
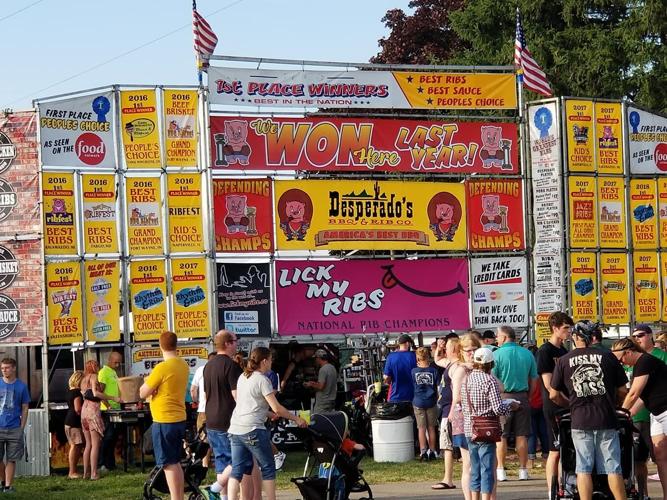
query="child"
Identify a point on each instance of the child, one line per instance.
(425, 382)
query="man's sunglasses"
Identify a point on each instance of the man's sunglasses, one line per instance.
(638, 335)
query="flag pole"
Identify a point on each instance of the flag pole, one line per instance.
(200, 77)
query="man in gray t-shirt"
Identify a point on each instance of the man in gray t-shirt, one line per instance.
(326, 385)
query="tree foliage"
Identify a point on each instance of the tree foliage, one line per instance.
(588, 48)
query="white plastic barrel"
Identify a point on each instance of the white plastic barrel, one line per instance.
(393, 440)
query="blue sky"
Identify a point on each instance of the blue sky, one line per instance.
(52, 40)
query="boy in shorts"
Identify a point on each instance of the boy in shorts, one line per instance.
(425, 384)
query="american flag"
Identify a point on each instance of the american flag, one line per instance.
(533, 76)
(205, 39)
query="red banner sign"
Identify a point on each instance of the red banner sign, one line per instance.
(361, 144)
(495, 215)
(243, 215)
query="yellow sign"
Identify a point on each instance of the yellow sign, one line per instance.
(584, 286)
(186, 229)
(180, 118)
(662, 210)
(663, 275)
(611, 200)
(148, 290)
(144, 215)
(643, 210)
(583, 212)
(102, 300)
(190, 297)
(542, 328)
(140, 128)
(647, 287)
(145, 353)
(609, 137)
(59, 214)
(580, 140)
(348, 215)
(99, 213)
(63, 297)
(458, 90)
(615, 291)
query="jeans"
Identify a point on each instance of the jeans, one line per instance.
(600, 448)
(255, 444)
(107, 456)
(482, 466)
(539, 427)
(221, 447)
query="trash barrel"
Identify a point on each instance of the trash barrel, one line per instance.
(393, 437)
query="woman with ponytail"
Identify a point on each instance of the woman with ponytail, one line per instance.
(250, 439)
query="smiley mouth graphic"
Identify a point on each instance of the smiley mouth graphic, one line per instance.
(389, 280)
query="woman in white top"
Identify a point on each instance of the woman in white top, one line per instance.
(250, 439)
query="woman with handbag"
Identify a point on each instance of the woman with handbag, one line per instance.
(482, 406)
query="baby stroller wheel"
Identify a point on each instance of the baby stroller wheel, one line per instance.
(195, 495)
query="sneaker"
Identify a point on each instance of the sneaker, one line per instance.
(500, 475)
(207, 494)
(9, 489)
(523, 475)
(279, 459)
(432, 455)
(423, 457)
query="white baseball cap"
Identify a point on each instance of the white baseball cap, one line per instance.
(483, 356)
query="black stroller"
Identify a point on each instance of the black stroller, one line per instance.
(567, 488)
(193, 471)
(338, 473)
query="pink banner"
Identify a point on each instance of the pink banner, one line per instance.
(371, 296)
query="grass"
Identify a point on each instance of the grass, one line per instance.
(128, 485)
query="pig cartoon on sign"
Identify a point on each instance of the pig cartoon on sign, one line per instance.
(295, 210)
(491, 153)
(444, 214)
(491, 218)
(58, 206)
(236, 219)
(236, 149)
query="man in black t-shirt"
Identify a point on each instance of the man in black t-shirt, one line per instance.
(560, 324)
(220, 376)
(594, 382)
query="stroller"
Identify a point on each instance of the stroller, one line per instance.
(193, 471)
(338, 473)
(568, 478)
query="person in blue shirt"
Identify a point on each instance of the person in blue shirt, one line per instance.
(398, 371)
(14, 403)
(425, 386)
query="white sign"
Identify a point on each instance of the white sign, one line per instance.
(647, 142)
(499, 290)
(243, 328)
(78, 132)
(144, 359)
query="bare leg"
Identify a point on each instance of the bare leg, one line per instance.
(449, 466)
(2, 471)
(269, 486)
(465, 474)
(233, 487)
(86, 454)
(10, 468)
(250, 488)
(423, 445)
(73, 457)
(431, 438)
(223, 479)
(660, 451)
(96, 443)
(174, 475)
(486, 496)
(501, 452)
(522, 450)
(475, 495)
(616, 486)
(257, 483)
(552, 467)
(585, 486)
(641, 474)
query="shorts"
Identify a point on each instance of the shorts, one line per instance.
(460, 441)
(222, 449)
(12, 446)
(426, 417)
(643, 446)
(659, 424)
(74, 435)
(246, 448)
(446, 435)
(518, 422)
(600, 447)
(552, 430)
(168, 442)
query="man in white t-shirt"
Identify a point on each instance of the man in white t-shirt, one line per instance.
(199, 396)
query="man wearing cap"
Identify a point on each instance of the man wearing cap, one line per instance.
(594, 382)
(327, 382)
(398, 370)
(489, 340)
(515, 368)
(643, 335)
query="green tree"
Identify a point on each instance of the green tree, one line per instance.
(590, 48)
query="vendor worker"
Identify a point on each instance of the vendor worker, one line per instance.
(326, 385)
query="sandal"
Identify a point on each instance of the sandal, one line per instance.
(443, 486)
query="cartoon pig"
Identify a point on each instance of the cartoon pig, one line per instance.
(236, 220)
(490, 152)
(294, 224)
(491, 219)
(236, 149)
